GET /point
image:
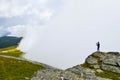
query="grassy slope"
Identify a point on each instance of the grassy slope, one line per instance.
(11, 51)
(108, 74)
(13, 69)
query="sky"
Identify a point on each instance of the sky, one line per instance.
(61, 33)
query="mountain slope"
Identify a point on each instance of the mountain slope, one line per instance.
(12, 64)
(97, 66)
(14, 67)
(8, 41)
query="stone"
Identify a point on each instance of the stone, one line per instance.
(110, 59)
(99, 71)
(111, 68)
(55, 75)
(99, 78)
(96, 66)
(91, 60)
(118, 60)
(100, 55)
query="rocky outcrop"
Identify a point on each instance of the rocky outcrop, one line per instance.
(54, 75)
(111, 63)
(95, 68)
(106, 61)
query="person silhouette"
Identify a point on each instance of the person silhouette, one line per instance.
(98, 46)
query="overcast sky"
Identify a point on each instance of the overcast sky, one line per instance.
(62, 33)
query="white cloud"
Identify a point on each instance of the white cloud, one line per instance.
(18, 30)
(25, 18)
(11, 8)
(25, 12)
(66, 39)
(3, 31)
(70, 37)
(29, 39)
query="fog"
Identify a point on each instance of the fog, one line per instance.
(62, 34)
(71, 36)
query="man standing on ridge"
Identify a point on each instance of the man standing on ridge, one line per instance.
(98, 46)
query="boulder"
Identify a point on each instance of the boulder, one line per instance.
(110, 59)
(91, 60)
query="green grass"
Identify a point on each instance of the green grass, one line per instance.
(14, 69)
(85, 65)
(108, 74)
(11, 51)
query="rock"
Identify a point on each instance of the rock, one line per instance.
(36, 78)
(111, 68)
(54, 75)
(107, 61)
(100, 55)
(96, 66)
(99, 78)
(85, 73)
(67, 75)
(99, 71)
(118, 60)
(111, 62)
(91, 60)
(110, 59)
(77, 70)
(47, 74)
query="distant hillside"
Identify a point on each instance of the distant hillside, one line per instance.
(8, 41)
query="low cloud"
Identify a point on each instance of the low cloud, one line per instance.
(61, 39)
(19, 13)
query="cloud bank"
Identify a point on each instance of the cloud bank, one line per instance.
(25, 17)
(72, 35)
(23, 13)
(61, 38)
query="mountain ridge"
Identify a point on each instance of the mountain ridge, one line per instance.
(7, 41)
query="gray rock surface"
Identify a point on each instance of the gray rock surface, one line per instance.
(111, 68)
(84, 73)
(111, 62)
(107, 61)
(54, 75)
(118, 60)
(92, 60)
(110, 59)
